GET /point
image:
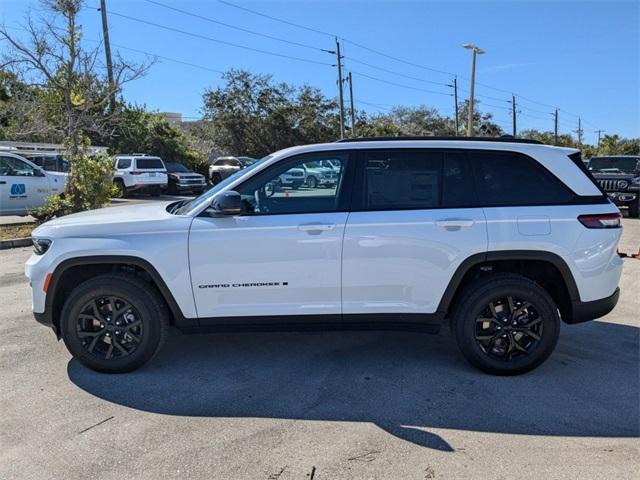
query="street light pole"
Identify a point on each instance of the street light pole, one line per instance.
(476, 51)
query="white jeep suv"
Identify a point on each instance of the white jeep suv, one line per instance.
(501, 239)
(138, 172)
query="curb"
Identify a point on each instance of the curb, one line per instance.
(15, 243)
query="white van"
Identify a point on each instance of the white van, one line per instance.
(25, 186)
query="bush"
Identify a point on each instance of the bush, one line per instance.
(89, 186)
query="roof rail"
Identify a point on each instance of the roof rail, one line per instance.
(503, 139)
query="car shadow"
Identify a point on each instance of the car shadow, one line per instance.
(406, 383)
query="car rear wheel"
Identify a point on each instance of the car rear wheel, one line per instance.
(505, 324)
(114, 323)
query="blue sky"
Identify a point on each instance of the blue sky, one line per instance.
(579, 56)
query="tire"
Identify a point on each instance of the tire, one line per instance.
(155, 191)
(494, 351)
(634, 208)
(216, 178)
(312, 182)
(122, 190)
(171, 189)
(146, 306)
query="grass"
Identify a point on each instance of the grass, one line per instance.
(9, 232)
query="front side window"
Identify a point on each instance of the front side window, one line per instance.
(12, 167)
(285, 188)
(511, 179)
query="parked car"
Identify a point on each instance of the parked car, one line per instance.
(181, 179)
(499, 240)
(49, 161)
(319, 174)
(139, 173)
(222, 167)
(25, 186)
(619, 177)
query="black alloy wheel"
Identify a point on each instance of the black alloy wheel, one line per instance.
(109, 327)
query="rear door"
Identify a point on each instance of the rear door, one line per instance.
(414, 221)
(149, 170)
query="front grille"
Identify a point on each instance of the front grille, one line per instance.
(611, 185)
(295, 174)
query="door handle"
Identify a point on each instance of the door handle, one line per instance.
(316, 227)
(2, 182)
(455, 223)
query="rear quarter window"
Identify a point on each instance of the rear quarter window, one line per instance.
(147, 163)
(512, 179)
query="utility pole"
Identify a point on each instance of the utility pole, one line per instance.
(513, 109)
(340, 88)
(455, 99)
(579, 132)
(476, 51)
(107, 51)
(598, 147)
(555, 128)
(353, 111)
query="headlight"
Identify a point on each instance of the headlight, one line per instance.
(40, 245)
(622, 184)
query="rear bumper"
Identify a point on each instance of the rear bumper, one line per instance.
(585, 311)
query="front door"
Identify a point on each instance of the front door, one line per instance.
(22, 186)
(414, 221)
(281, 257)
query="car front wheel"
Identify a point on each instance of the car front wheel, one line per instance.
(634, 208)
(505, 324)
(114, 323)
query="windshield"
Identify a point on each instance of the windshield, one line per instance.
(177, 167)
(623, 164)
(199, 202)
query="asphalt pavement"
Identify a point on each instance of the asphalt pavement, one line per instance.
(341, 405)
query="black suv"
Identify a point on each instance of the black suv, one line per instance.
(619, 177)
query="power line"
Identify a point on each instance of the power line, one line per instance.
(277, 19)
(228, 25)
(169, 59)
(211, 39)
(396, 73)
(400, 84)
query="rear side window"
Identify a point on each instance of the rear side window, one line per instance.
(124, 163)
(402, 179)
(144, 163)
(511, 179)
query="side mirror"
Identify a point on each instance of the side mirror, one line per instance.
(227, 203)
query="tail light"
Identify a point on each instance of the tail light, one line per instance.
(601, 220)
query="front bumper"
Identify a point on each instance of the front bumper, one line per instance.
(190, 186)
(585, 311)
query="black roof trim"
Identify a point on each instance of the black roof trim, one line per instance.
(503, 139)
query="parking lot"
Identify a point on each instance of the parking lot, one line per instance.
(320, 405)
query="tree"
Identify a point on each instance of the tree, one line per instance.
(614, 145)
(483, 124)
(143, 131)
(252, 115)
(407, 121)
(69, 88)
